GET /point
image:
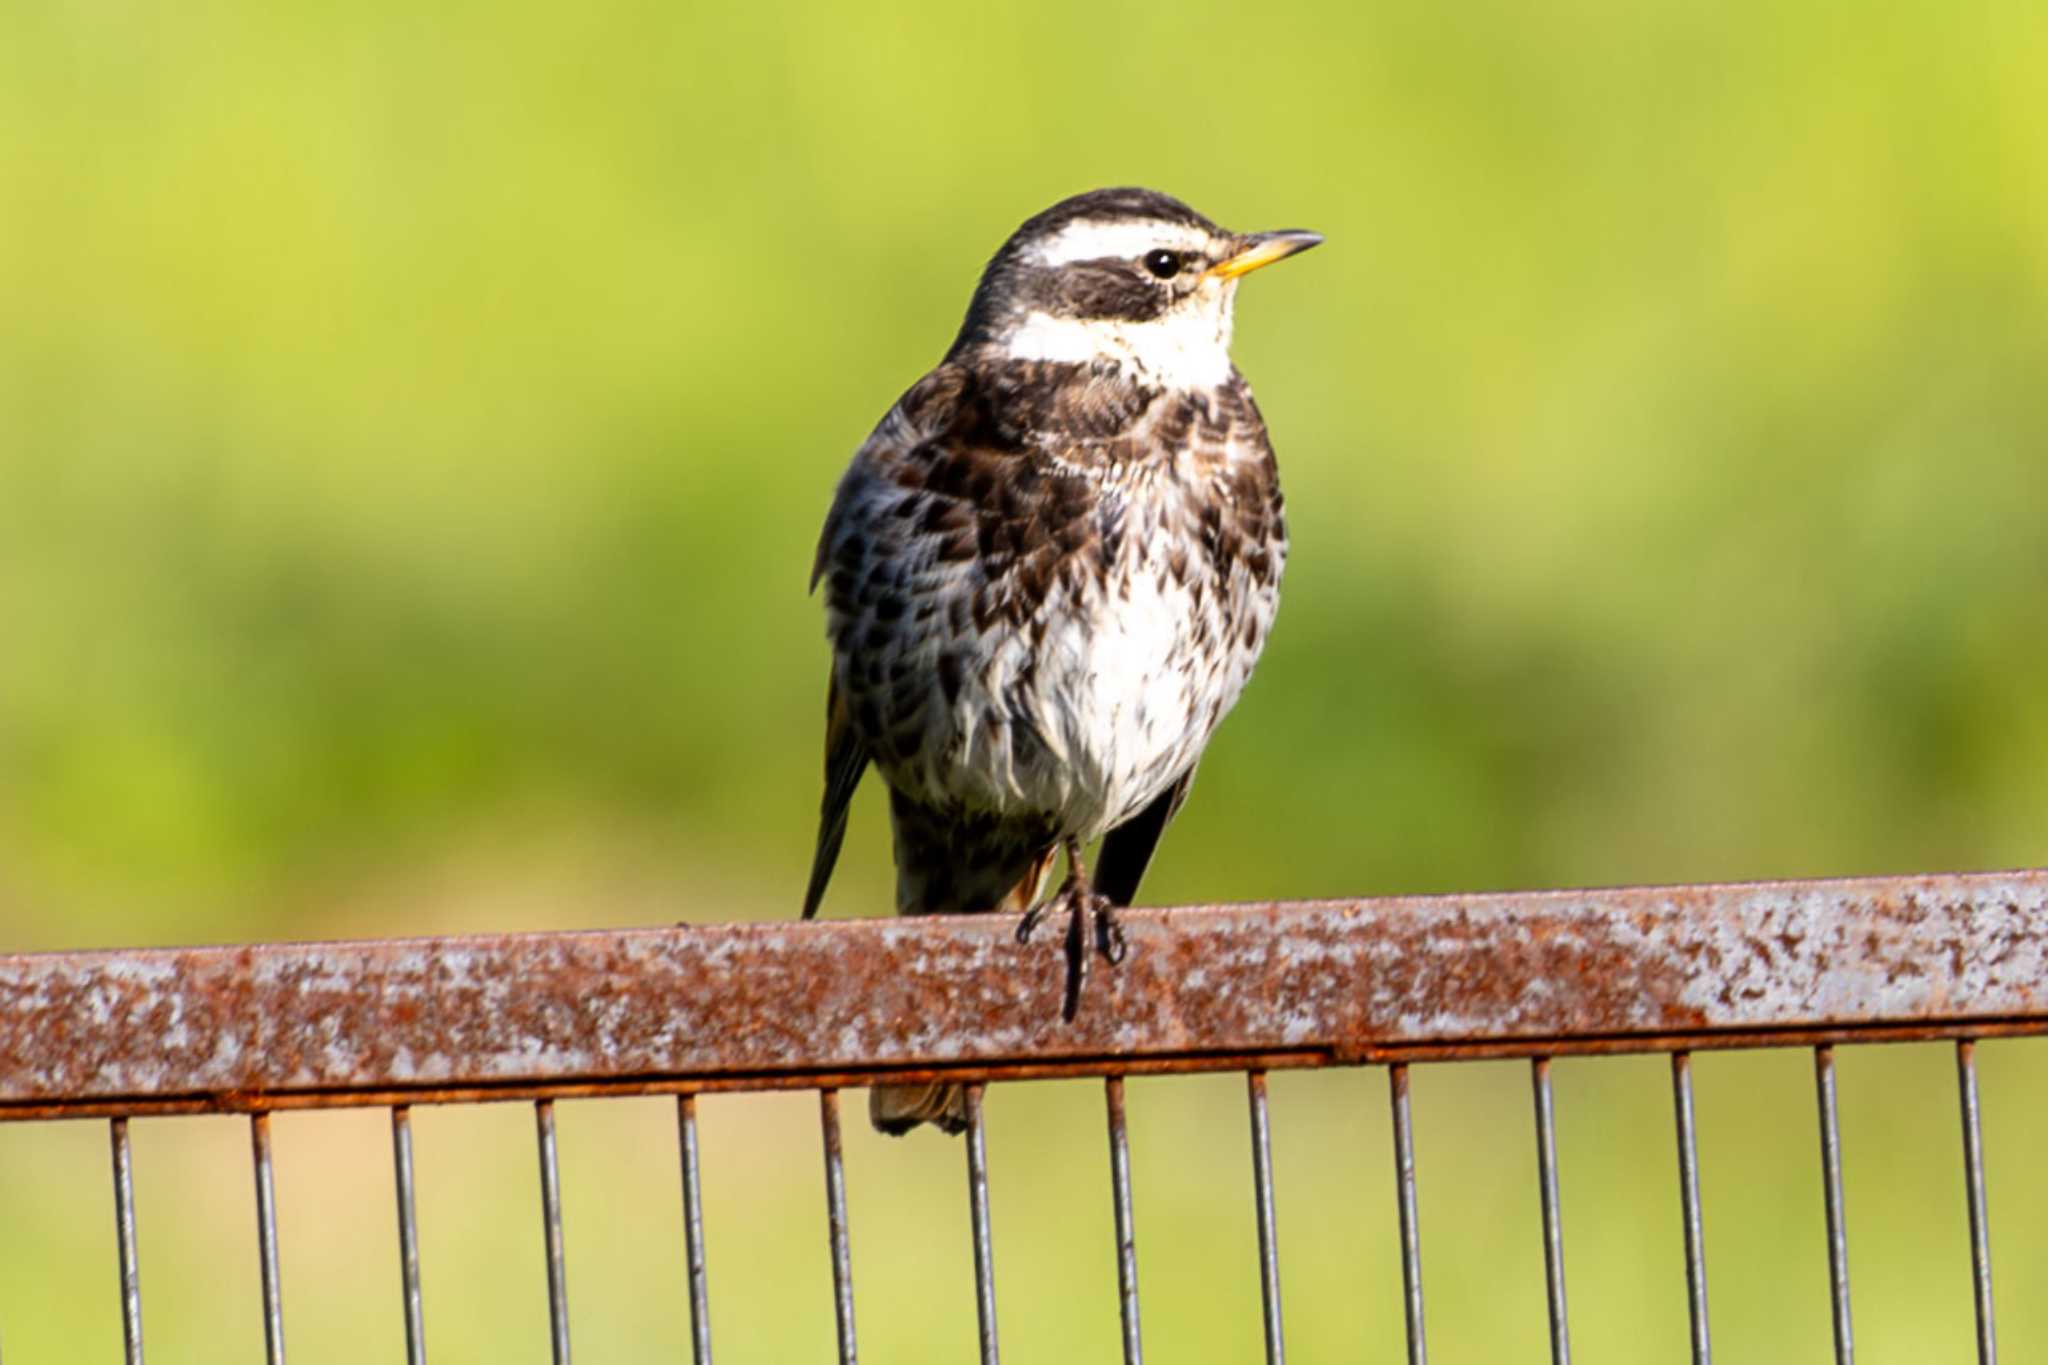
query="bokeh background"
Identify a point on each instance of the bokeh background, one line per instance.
(414, 424)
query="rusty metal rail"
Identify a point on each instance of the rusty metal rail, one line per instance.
(700, 1009)
(758, 1006)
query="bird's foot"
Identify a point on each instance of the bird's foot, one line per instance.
(1080, 902)
(1109, 932)
(1036, 915)
(1085, 907)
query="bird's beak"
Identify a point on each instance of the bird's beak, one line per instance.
(1263, 248)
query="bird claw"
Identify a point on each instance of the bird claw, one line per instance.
(1083, 906)
(1033, 918)
(1109, 933)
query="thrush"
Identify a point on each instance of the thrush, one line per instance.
(1048, 573)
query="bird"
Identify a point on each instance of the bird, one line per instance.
(1047, 575)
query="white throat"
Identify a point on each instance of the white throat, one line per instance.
(1188, 348)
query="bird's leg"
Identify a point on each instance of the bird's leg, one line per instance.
(1075, 896)
(1109, 933)
(1083, 903)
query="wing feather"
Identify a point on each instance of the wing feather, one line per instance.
(846, 758)
(1127, 850)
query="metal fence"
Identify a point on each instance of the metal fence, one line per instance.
(704, 1009)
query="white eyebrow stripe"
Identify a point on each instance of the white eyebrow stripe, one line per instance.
(1089, 241)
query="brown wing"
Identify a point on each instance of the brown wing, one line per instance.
(1127, 849)
(846, 752)
(846, 758)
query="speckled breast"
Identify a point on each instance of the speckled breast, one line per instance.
(1046, 637)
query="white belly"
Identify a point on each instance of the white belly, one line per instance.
(1084, 723)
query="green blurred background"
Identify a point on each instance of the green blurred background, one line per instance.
(415, 421)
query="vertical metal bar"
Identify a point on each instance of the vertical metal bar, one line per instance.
(693, 1232)
(266, 1240)
(408, 1235)
(1262, 1189)
(1980, 1228)
(1126, 1236)
(1689, 1206)
(1831, 1179)
(124, 1238)
(984, 1243)
(1553, 1222)
(1411, 1227)
(551, 1224)
(835, 1210)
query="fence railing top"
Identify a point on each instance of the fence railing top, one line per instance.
(757, 1006)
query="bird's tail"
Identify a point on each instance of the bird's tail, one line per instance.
(896, 1109)
(934, 878)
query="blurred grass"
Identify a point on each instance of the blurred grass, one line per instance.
(413, 428)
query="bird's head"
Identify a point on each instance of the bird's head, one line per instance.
(1130, 277)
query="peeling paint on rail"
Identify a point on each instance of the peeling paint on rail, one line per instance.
(760, 1006)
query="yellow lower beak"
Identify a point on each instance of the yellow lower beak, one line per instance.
(1263, 248)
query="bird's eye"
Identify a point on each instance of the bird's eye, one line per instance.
(1164, 264)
